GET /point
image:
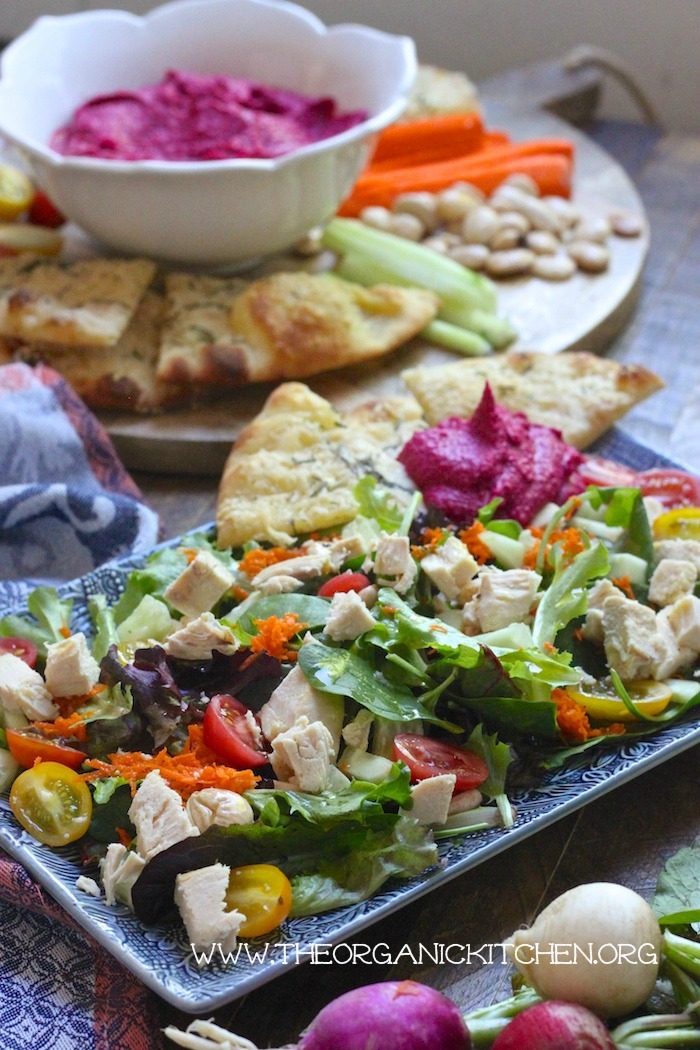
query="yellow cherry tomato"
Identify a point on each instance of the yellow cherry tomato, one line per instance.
(16, 237)
(52, 803)
(682, 523)
(263, 894)
(603, 704)
(16, 192)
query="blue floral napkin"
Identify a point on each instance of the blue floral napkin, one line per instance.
(66, 506)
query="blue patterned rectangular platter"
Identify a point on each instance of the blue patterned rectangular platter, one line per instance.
(160, 956)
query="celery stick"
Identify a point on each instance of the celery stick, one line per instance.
(452, 337)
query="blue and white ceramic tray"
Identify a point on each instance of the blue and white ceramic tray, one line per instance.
(160, 956)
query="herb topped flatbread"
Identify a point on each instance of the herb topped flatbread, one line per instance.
(577, 393)
(87, 303)
(293, 469)
(283, 326)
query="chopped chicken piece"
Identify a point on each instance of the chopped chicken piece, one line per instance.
(303, 754)
(200, 896)
(672, 579)
(431, 799)
(393, 563)
(293, 697)
(159, 816)
(23, 691)
(198, 638)
(451, 568)
(71, 669)
(200, 586)
(348, 617)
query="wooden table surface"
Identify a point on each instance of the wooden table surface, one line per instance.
(624, 837)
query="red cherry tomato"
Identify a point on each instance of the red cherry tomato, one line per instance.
(344, 582)
(21, 647)
(27, 746)
(426, 757)
(596, 470)
(43, 212)
(228, 734)
(672, 487)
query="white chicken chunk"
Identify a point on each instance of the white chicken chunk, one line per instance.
(431, 799)
(159, 816)
(672, 579)
(634, 646)
(198, 638)
(683, 617)
(348, 617)
(23, 691)
(505, 597)
(120, 868)
(303, 754)
(71, 669)
(451, 568)
(217, 806)
(593, 627)
(200, 896)
(199, 586)
(393, 563)
(294, 697)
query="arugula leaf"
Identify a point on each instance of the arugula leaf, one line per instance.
(309, 609)
(677, 897)
(567, 597)
(359, 798)
(401, 852)
(498, 757)
(344, 673)
(378, 504)
(51, 619)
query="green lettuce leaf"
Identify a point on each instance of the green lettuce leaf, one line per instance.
(51, 618)
(567, 596)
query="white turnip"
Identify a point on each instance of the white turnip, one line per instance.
(555, 1026)
(598, 944)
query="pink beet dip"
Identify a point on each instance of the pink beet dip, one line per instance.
(188, 116)
(460, 465)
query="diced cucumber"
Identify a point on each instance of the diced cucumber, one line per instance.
(364, 766)
(682, 689)
(629, 565)
(507, 552)
(150, 619)
(384, 730)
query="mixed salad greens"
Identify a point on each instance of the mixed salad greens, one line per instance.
(315, 718)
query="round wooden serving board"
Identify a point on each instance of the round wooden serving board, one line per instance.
(583, 313)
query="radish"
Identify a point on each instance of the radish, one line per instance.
(598, 945)
(555, 1026)
(391, 1015)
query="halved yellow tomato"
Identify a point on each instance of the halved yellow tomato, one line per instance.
(52, 803)
(683, 523)
(263, 893)
(16, 192)
(603, 704)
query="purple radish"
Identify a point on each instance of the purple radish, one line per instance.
(555, 1025)
(391, 1015)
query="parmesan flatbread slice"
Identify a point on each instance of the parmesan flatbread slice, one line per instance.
(84, 303)
(121, 377)
(578, 393)
(283, 326)
(293, 469)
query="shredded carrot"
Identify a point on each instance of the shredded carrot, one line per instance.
(578, 634)
(190, 553)
(625, 585)
(239, 593)
(572, 719)
(256, 560)
(72, 726)
(124, 837)
(471, 538)
(191, 770)
(570, 541)
(431, 539)
(274, 635)
(438, 627)
(64, 631)
(67, 705)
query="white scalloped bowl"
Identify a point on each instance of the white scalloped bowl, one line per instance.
(222, 212)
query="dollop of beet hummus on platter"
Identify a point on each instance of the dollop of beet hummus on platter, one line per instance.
(460, 465)
(189, 116)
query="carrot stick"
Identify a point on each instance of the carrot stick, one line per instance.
(460, 131)
(438, 151)
(551, 171)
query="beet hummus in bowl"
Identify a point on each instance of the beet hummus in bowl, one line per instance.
(208, 132)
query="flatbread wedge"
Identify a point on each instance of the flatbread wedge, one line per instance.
(282, 326)
(88, 302)
(577, 393)
(293, 469)
(122, 377)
